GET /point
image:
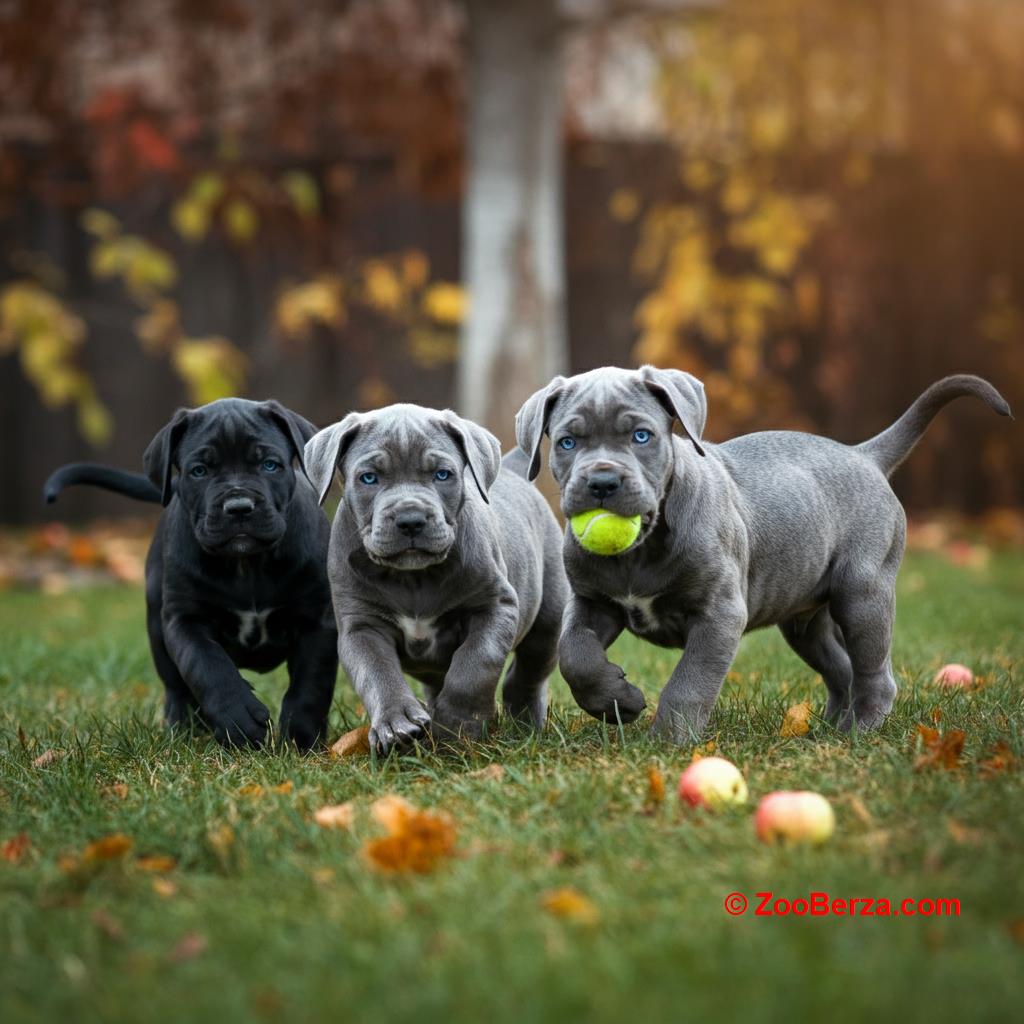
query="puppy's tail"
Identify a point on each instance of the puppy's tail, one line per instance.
(889, 448)
(134, 485)
(517, 461)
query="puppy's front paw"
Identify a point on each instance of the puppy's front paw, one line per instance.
(399, 726)
(610, 696)
(238, 722)
(451, 722)
(680, 724)
(304, 730)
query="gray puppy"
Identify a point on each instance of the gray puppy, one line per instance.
(443, 560)
(775, 528)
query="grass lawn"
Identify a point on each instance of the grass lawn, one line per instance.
(267, 916)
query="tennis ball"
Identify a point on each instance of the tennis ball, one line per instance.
(604, 533)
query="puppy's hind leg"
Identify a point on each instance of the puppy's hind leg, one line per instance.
(819, 641)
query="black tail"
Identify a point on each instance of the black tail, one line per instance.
(889, 448)
(134, 485)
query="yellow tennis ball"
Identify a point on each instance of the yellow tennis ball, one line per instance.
(604, 533)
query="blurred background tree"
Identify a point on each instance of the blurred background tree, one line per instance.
(812, 205)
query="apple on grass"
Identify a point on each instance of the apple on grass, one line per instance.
(794, 817)
(954, 675)
(712, 782)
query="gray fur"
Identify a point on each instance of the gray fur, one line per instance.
(482, 578)
(775, 528)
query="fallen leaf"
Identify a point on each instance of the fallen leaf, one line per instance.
(188, 948)
(797, 720)
(417, 840)
(164, 887)
(252, 789)
(1002, 759)
(157, 864)
(939, 750)
(47, 757)
(655, 786)
(14, 849)
(221, 838)
(336, 815)
(116, 789)
(494, 772)
(112, 847)
(353, 743)
(936, 715)
(703, 750)
(284, 787)
(860, 809)
(570, 904)
(110, 926)
(1015, 928)
(964, 835)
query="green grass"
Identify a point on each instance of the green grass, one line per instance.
(297, 927)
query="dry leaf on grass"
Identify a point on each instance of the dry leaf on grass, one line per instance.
(939, 750)
(47, 757)
(164, 887)
(156, 864)
(703, 750)
(336, 815)
(112, 847)
(353, 743)
(797, 721)
(417, 841)
(1002, 759)
(14, 849)
(655, 786)
(192, 945)
(118, 790)
(860, 810)
(494, 772)
(570, 904)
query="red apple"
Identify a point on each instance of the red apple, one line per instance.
(712, 782)
(954, 675)
(794, 818)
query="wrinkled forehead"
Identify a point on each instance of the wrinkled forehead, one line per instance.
(231, 426)
(395, 441)
(616, 400)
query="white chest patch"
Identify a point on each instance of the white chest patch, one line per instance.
(640, 612)
(252, 627)
(419, 632)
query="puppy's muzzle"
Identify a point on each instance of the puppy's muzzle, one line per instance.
(239, 506)
(603, 483)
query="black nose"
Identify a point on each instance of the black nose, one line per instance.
(411, 523)
(603, 482)
(239, 506)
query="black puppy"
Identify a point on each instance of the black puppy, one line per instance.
(236, 576)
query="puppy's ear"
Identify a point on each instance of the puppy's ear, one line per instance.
(682, 397)
(160, 457)
(325, 450)
(480, 448)
(532, 422)
(296, 428)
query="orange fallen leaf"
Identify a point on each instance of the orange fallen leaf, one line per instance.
(353, 743)
(284, 787)
(164, 887)
(116, 789)
(939, 750)
(112, 847)
(47, 757)
(1002, 759)
(336, 815)
(655, 785)
(14, 849)
(570, 904)
(157, 864)
(417, 840)
(84, 553)
(188, 948)
(252, 789)
(493, 772)
(797, 721)
(703, 750)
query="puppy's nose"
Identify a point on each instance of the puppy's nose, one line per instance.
(410, 523)
(239, 506)
(603, 483)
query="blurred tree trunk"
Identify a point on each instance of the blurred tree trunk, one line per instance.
(514, 338)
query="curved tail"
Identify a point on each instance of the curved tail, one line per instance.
(134, 485)
(889, 448)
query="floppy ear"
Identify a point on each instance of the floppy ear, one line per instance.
(296, 428)
(159, 458)
(480, 448)
(532, 422)
(682, 396)
(325, 450)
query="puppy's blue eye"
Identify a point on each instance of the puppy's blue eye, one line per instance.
(442, 474)
(368, 478)
(567, 443)
(641, 436)
(197, 471)
(271, 465)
